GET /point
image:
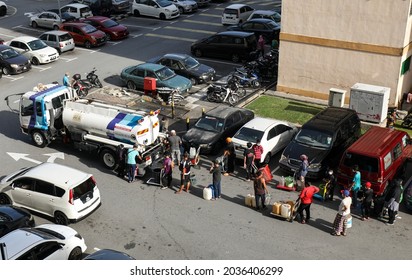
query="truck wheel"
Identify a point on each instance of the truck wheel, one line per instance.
(108, 158)
(39, 139)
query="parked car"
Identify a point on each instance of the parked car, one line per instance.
(185, 6)
(108, 254)
(98, 7)
(186, 66)
(214, 127)
(84, 34)
(162, 9)
(267, 14)
(62, 41)
(54, 190)
(113, 29)
(121, 6)
(134, 77)
(65, 16)
(266, 27)
(12, 62)
(274, 136)
(50, 20)
(12, 218)
(202, 3)
(44, 242)
(323, 139)
(34, 49)
(3, 8)
(77, 10)
(232, 45)
(236, 13)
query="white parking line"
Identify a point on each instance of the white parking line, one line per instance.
(202, 22)
(67, 59)
(139, 26)
(13, 78)
(40, 68)
(190, 30)
(27, 28)
(113, 43)
(135, 36)
(170, 37)
(5, 35)
(88, 50)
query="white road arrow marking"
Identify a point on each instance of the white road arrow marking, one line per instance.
(53, 156)
(18, 156)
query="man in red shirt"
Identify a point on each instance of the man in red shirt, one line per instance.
(306, 198)
(257, 151)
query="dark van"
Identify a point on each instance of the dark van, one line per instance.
(323, 139)
(379, 153)
(233, 45)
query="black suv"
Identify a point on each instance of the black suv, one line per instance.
(323, 139)
(234, 45)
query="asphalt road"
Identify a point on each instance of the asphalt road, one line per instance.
(149, 223)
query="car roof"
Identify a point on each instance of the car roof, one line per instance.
(79, 24)
(57, 174)
(12, 211)
(262, 20)
(376, 141)
(223, 111)
(55, 32)
(97, 18)
(176, 55)
(18, 240)
(236, 33)
(264, 12)
(25, 39)
(5, 47)
(236, 6)
(329, 119)
(108, 254)
(263, 124)
(150, 66)
(76, 5)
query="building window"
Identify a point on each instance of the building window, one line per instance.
(406, 65)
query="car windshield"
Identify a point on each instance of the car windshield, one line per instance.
(165, 74)
(248, 134)
(88, 29)
(164, 3)
(190, 63)
(273, 25)
(37, 45)
(109, 23)
(8, 53)
(314, 138)
(210, 124)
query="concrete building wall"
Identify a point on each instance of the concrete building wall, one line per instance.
(335, 43)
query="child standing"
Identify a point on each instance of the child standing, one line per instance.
(216, 172)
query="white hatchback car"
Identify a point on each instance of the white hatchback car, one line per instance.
(34, 49)
(274, 136)
(162, 9)
(44, 242)
(51, 189)
(77, 10)
(236, 13)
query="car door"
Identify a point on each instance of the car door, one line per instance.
(46, 250)
(43, 198)
(286, 134)
(212, 46)
(21, 193)
(138, 77)
(78, 37)
(272, 139)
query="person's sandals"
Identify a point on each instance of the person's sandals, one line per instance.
(335, 234)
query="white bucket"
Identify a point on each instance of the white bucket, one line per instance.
(349, 222)
(285, 210)
(207, 193)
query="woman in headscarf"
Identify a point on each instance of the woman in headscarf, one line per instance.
(341, 219)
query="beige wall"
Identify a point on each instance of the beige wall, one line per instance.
(335, 43)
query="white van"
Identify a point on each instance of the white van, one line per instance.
(236, 13)
(54, 190)
(77, 10)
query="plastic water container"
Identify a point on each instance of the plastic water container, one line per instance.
(207, 193)
(349, 222)
(248, 200)
(276, 208)
(285, 210)
(282, 181)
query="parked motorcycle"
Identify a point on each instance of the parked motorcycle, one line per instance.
(407, 121)
(246, 77)
(81, 87)
(93, 78)
(221, 94)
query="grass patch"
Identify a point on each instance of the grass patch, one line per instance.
(284, 109)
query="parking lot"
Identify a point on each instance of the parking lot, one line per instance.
(150, 223)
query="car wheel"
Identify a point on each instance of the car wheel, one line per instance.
(136, 13)
(108, 158)
(59, 51)
(6, 71)
(3, 11)
(61, 219)
(193, 81)
(34, 24)
(131, 85)
(87, 45)
(39, 139)
(181, 10)
(56, 27)
(76, 254)
(235, 58)
(267, 158)
(162, 16)
(198, 53)
(4, 199)
(35, 61)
